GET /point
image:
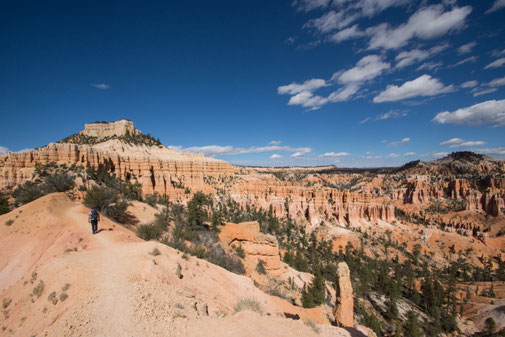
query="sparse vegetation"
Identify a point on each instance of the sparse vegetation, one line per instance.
(39, 289)
(260, 267)
(9, 222)
(155, 252)
(248, 304)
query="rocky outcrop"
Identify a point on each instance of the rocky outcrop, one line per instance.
(104, 130)
(256, 245)
(344, 305)
(159, 169)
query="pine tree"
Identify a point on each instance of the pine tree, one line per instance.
(412, 327)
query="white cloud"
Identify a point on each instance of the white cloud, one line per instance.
(410, 57)
(3, 150)
(308, 5)
(488, 112)
(372, 7)
(427, 23)
(429, 66)
(424, 85)
(297, 154)
(347, 34)
(351, 80)
(466, 48)
(393, 155)
(469, 84)
(483, 92)
(439, 154)
(498, 4)
(216, 150)
(275, 156)
(365, 120)
(275, 142)
(497, 82)
(401, 142)
(463, 61)
(496, 64)
(391, 114)
(468, 144)
(452, 141)
(410, 154)
(307, 86)
(330, 21)
(333, 154)
(101, 86)
(500, 150)
(366, 69)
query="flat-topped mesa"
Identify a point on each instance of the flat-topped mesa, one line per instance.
(105, 129)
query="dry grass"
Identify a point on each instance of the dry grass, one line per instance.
(248, 304)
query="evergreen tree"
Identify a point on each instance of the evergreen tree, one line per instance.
(412, 327)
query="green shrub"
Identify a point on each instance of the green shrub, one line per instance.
(118, 212)
(9, 222)
(155, 252)
(149, 232)
(59, 182)
(100, 197)
(26, 193)
(260, 267)
(151, 199)
(4, 205)
(217, 255)
(39, 289)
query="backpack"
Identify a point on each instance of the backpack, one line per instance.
(93, 215)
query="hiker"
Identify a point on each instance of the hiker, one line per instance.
(94, 217)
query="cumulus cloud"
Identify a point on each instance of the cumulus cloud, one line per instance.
(217, 150)
(401, 142)
(488, 112)
(469, 84)
(496, 64)
(275, 156)
(410, 57)
(307, 86)
(427, 23)
(101, 86)
(333, 154)
(498, 4)
(350, 80)
(367, 68)
(466, 48)
(3, 150)
(424, 85)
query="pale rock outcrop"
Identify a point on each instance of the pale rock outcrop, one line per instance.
(344, 306)
(257, 246)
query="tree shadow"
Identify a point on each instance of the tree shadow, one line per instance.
(354, 332)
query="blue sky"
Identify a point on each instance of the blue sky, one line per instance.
(307, 82)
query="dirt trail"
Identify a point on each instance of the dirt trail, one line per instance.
(113, 311)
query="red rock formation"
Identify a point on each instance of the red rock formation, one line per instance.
(257, 246)
(344, 305)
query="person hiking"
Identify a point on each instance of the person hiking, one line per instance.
(93, 219)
